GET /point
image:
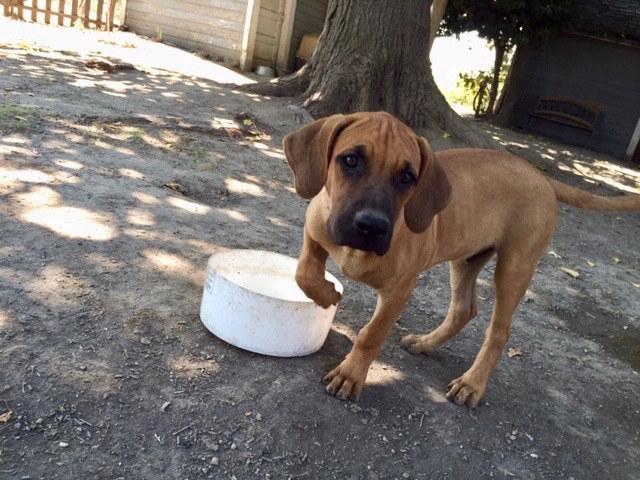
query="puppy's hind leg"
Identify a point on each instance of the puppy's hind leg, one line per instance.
(512, 277)
(463, 307)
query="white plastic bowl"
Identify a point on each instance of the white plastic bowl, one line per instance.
(251, 300)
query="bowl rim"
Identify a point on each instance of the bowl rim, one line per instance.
(221, 259)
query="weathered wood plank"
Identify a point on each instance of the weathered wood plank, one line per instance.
(61, 5)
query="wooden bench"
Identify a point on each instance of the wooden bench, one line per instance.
(566, 112)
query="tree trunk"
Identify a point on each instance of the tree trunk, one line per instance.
(374, 55)
(509, 96)
(495, 82)
(438, 8)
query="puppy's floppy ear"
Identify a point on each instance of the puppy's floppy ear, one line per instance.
(432, 192)
(308, 152)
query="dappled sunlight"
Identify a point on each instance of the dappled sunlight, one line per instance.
(137, 216)
(17, 144)
(383, 374)
(188, 206)
(146, 198)
(224, 122)
(172, 94)
(154, 57)
(40, 207)
(234, 215)
(128, 172)
(269, 151)
(72, 222)
(587, 165)
(25, 176)
(278, 222)
(236, 186)
(70, 164)
(436, 395)
(168, 262)
(616, 176)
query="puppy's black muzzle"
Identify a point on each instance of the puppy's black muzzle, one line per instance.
(371, 224)
(367, 229)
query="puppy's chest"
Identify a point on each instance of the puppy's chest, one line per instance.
(357, 265)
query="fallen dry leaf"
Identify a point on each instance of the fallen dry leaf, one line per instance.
(176, 187)
(5, 417)
(615, 259)
(637, 285)
(568, 271)
(514, 352)
(591, 264)
(554, 254)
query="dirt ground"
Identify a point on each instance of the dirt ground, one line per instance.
(117, 184)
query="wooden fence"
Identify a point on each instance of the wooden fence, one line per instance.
(96, 14)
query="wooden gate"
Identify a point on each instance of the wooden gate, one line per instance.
(96, 14)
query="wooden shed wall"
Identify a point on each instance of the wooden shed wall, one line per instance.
(587, 70)
(268, 33)
(215, 27)
(310, 17)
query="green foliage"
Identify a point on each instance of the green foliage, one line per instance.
(15, 118)
(477, 86)
(472, 89)
(508, 22)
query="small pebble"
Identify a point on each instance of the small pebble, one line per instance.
(215, 462)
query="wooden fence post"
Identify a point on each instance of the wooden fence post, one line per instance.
(87, 13)
(74, 12)
(34, 10)
(61, 12)
(112, 9)
(99, 14)
(47, 12)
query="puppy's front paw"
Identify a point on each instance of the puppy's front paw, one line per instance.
(323, 293)
(346, 380)
(466, 390)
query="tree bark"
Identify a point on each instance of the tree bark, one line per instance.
(509, 96)
(374, 55)
(438, 7)
(495, 81)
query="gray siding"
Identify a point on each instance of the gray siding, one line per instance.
(310, 17)
(618, 19)
(215, 27)
(585, 70)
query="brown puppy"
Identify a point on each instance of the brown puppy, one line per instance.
(386, 208)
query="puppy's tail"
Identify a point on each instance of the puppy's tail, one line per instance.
(581, 199)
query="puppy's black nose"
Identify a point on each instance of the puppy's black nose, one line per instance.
(371, 223)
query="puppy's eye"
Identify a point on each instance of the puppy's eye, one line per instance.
(407, 178)
(350, 161)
